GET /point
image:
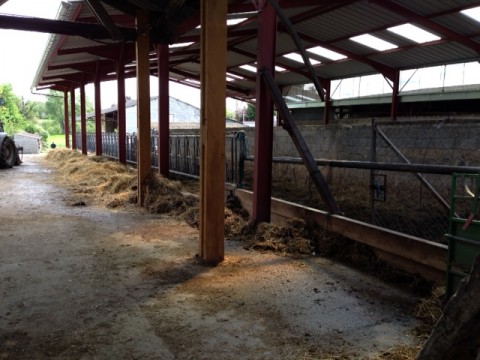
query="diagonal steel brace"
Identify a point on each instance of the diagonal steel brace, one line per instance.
(300, 143)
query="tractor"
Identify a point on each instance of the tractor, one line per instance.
(9, 154)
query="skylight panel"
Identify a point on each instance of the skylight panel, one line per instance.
(414, 33)
(250, 68)
(293, 98)
(473, 13)
(177, 45)
(329, 54)
(373, 42)
(279, 69)
(231, 22)
(235, 76)
(298, 58)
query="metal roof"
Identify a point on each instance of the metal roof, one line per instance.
(70, 59)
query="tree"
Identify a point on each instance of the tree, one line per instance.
(32, 110)
(250, 113)
(54, 108)
(10, 114)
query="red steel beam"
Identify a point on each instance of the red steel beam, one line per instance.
(262, 178)
(163, 111)
(83, 119)
(98, 114)
(121, 111)
(65, 119)
(73, 118)
(428, 24)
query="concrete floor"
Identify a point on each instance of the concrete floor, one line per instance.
(94, 283)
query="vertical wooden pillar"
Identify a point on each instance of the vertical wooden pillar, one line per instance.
(143, 102)
(213, 55)
(121, 112)
(328, 101)
(163, 111)
(83, 119)
(395, 98)
(73, 118)
(262, 178)
(98, 114)
(66, 121)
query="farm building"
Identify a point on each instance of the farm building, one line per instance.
(366, 185)
(31, 143)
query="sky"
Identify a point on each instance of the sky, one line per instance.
(21, 52)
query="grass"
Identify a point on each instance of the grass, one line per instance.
(59, 140)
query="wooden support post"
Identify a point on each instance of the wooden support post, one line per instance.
(143, 103)
(83, 119)
(262, 178)
(98, 114)
(163, 111)
(66, 126)
(395, 88)
(213, 56)
(73, 118)
(121, 112)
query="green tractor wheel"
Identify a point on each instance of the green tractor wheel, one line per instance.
(7, 154)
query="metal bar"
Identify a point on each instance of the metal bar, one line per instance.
(298, 42)
(121, 111)
(369, 165)
(373, 159)
(301, 146)
(429, 122)
(419, 176)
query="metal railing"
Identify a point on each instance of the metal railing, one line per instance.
(184, 152)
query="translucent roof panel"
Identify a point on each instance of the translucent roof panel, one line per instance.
(414, 33)
(373, 42)
(298, 58)
(473, 13)
(329, 54)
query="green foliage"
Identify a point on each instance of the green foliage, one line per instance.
(10, 114)
(54, 108)
(33, 111)
(37, 129)
(250, 113)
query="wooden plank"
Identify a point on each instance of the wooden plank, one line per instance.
(213, 56)
(409, 253)
(143, 103)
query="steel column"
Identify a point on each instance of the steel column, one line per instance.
(98, 114)
(121, 116)
(328, 102)
(395, 98)
(83, 119)
(213, 60)
(66, 126)
(163, 110)
(73, 118)
(262, 178)
(143, 103)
